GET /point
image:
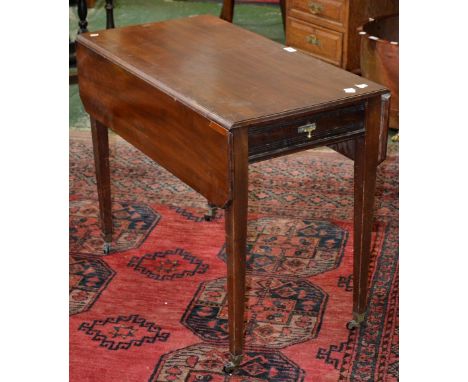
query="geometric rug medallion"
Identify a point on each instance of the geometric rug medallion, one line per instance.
(204, 362)
(123, 332)
(89, 276)
(132, 224)
(282, 246)
(280, 312)
(168, 265)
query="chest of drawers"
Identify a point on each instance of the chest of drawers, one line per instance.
(327, 29)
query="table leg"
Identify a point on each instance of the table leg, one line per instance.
(365, 167)
(236, 246)
(101, 162)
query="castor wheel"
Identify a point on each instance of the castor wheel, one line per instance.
(234, 362)
(351, 325)
(106, 249)
(211, 214)
(229, 368)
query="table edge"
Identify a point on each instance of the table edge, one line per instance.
(223, 122)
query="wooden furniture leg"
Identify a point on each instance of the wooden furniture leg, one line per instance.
(83, 6)
(101, 161)
(282, 4)
(82, 14)
(110, 14)
(227, 11)
(365, 167)
(236, 246)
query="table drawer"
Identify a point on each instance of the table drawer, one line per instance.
(320, 42)
(310, 130)
(328, 11)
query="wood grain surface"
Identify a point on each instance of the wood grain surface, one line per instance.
(225, 73)
(170, 133)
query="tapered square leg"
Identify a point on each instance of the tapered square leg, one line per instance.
(236, 247)
(101, 162)
(365, 168)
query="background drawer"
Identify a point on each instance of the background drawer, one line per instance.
(320, 42)
(269, 140)
(318, 11)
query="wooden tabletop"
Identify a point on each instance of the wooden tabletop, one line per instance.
(228, 74)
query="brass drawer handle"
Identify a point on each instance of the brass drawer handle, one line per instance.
(315, 8)
(313, 40)
(309, 128)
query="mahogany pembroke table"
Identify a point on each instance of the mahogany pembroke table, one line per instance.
(204, 98)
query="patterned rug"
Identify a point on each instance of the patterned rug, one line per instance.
(154, 309)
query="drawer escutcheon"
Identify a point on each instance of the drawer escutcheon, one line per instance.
(308, 128)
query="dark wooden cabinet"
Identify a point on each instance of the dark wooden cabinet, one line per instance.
(327, 29)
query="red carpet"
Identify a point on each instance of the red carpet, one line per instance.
(155, 308)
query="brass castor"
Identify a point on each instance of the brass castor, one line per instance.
(211, 214)
(234, 363)
(229, 368)
(107, 248)
(356, 322)
(351, 325)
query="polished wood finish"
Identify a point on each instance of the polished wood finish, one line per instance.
(380, 58)
(330, 13)
(271, 140)
(346, 148)
(262, 81)
(203, 98)
(321, 42)
(333, 26)
(101, 162)
(236, 238)
(383, 127)
(365, 168)
(160, 126)
(227, 11)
